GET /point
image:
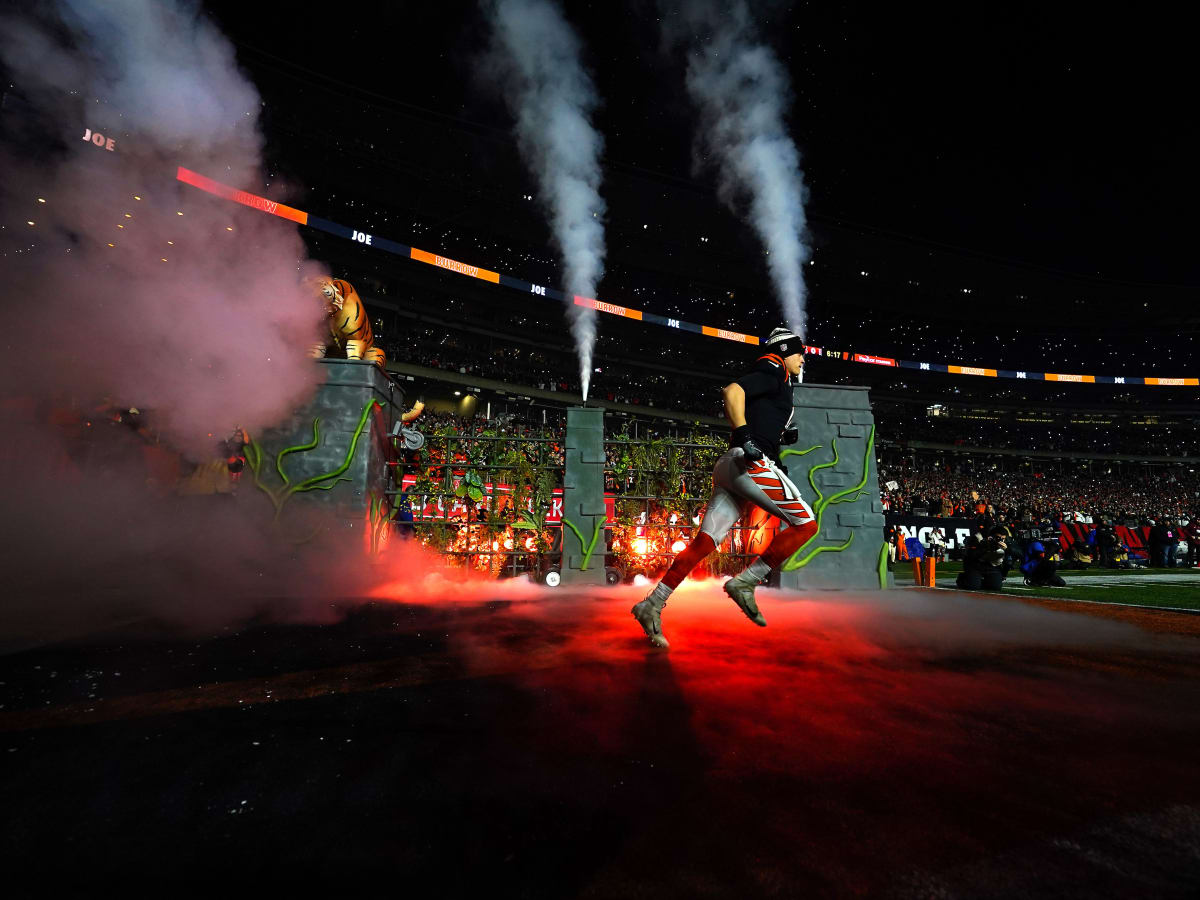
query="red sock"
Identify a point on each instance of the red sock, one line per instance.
(688, 559)
(787, 542)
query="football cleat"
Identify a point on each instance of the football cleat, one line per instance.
(649, 616)
(742, 594)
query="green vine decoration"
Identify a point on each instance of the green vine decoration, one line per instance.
(381, 514)
(591, 546)
(325, 482)
(799, 559)
(883, 554)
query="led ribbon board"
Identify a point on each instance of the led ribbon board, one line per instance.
(380, 243)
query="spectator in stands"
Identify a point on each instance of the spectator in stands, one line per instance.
(947, 506)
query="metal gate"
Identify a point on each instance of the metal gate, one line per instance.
(486, 499)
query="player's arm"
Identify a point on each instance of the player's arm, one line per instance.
(735, 404)
(735, 411)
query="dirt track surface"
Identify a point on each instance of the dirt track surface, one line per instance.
(1145, 617)
(912, 744)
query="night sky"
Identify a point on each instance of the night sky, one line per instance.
(1059, 139)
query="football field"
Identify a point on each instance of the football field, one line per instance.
(1160, 588)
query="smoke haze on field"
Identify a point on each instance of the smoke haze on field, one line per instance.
(198, 317)
(125, 288)
(741, 93)
(536, 57)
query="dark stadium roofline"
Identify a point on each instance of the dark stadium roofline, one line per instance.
(263, 204)
(567, 348)
(566, 398)
(337, 89)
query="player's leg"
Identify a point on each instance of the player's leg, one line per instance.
(765, 486)
(722, 512)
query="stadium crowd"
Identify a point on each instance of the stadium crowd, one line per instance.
(1112, 436)
(1015, 497)
(669, 377)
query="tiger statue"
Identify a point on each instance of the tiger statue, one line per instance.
(349, 324)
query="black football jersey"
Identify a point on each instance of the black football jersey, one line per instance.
(768, 390)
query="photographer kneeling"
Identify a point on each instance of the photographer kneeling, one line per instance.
(1040, 571)
(983, 564)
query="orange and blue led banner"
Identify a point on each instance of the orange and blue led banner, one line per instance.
(368, 239)
(195, 179)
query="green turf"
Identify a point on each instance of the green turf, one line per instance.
(1178, 588)
(904, 570)
(1170, 592)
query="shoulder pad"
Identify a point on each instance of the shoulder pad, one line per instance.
(773, 362)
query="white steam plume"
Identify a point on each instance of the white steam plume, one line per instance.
(741, 92)
(199, 318)
(126, 288)
(552, 98)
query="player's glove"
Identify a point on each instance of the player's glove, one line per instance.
(790, 436)
(741, 438)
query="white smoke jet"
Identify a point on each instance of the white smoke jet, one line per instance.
(552, 99)
(741, 92)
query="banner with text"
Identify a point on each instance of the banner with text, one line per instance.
(954, 531)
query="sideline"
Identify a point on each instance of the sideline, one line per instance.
(1025, 596)
(1156, 619)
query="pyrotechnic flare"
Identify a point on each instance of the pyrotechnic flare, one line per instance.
(741, 92)
(552, 98)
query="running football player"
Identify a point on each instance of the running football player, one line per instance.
(759, 408)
